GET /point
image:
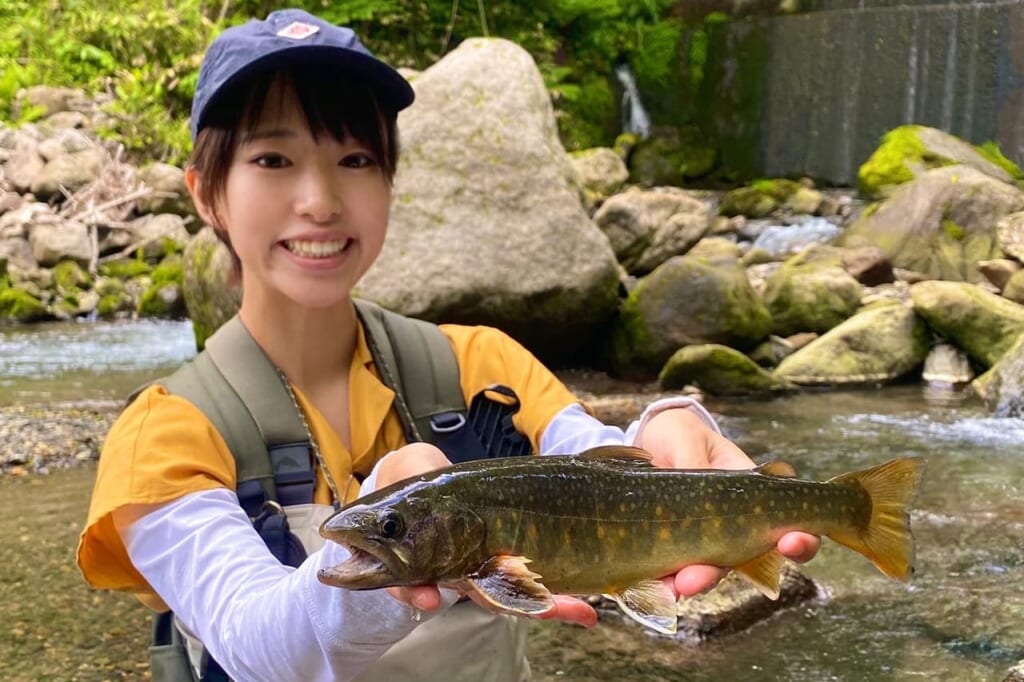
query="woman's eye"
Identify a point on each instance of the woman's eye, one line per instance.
(271, 161)
(360, 160)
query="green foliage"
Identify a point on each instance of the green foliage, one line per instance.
(147, 53)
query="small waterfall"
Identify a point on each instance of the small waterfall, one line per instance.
(634, 117)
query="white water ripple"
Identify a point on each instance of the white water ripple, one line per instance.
(974, 430)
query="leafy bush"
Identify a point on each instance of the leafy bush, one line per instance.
(147, 52)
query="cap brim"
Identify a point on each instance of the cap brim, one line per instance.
(393, 91)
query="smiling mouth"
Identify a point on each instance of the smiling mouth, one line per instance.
(316, 249)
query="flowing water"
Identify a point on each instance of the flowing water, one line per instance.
(76, 362)
(960, 618)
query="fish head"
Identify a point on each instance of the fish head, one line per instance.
(403, 541)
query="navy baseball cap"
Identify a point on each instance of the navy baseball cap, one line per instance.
(286, 37)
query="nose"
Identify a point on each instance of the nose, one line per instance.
(319, 196)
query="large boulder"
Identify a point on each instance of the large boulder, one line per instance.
(880, 344)
(647, 227)
(980, 323)
(53, 242)
(811, 292)
(487, 225)
(940, 224)
(702, 297)
(908, 151)
(718, 370)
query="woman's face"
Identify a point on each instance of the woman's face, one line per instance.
(307, 217)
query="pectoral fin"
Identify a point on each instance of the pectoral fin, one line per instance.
(764, 573)
(508, 586)
(650, 602)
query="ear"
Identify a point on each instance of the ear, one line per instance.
(193, 180)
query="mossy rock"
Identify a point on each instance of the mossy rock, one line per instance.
(162, 300)
(875, 346)
(21, 306)
(112, 304)
(170, 270)
(908, 151)
(719, 370)
(671, 156)
(810, 297)
(125, 268)
(747, 201)
(163, 297)
(978, 322)
(69, 276)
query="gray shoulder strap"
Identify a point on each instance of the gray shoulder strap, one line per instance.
(240, 392)
(416, 361)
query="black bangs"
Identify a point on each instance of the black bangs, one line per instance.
(334, 103)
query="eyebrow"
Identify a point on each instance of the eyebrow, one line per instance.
(269, 134)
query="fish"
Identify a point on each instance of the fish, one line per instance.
(517, 530)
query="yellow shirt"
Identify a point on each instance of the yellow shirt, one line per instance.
(162, 447)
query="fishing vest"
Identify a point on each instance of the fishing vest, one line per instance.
(242, 394)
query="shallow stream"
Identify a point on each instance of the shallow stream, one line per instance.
(960, 618)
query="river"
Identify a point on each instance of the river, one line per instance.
(960, 618)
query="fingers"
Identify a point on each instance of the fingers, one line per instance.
(571, 610)
(698, 578)
(408, 461)
(727, 455)
(800, 547)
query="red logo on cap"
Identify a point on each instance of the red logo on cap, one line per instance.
(298, 30)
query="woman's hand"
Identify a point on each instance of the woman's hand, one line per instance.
(679, 439)
(419, 458)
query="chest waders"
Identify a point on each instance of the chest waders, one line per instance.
(242, 394)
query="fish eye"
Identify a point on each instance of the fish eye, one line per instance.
(390, 525)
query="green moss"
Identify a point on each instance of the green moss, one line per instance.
(21, 306)
(991, 151)
(747, 201)
(717, 369)
(953, 230)
(111, 304)
(888, 165)
(125, 268)
(69, 275)
(779, 189)
(170, 271)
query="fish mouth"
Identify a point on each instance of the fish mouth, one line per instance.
(362, 570)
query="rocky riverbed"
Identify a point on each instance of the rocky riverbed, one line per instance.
(36, 439)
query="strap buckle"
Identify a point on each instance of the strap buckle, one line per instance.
(447, 422)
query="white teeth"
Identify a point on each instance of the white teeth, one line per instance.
(316, 249)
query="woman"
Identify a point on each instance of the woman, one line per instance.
(294, 151)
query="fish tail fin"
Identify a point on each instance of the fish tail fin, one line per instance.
(886, 540)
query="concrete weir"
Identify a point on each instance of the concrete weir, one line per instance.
(813, 92)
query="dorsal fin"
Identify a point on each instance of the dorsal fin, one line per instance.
(618, 454)
(777, 467)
